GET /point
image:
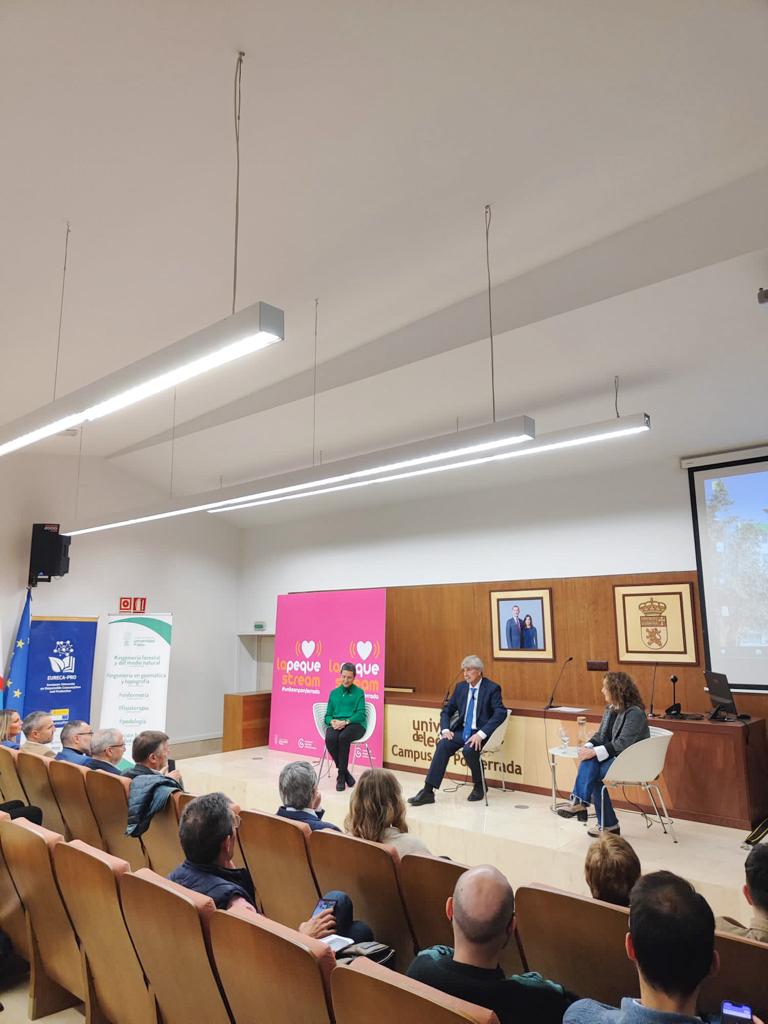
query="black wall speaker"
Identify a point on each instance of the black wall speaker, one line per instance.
(49, 555)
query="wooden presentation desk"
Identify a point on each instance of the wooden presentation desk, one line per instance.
(715, 772)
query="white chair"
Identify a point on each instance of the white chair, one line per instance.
(493, 745)
(641, 765)
(318, 713)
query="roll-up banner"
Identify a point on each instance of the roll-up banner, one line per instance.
(135, 693)
(60, 669)
(316, 633)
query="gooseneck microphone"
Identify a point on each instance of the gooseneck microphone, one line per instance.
(551, 700)
(653, 690)
(675, 708)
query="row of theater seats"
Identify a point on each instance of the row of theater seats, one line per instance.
(574, 940)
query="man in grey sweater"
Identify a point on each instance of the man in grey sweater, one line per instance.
(672, 943)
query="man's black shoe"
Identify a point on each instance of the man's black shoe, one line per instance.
(350, 779)
(476, 794)
(424, 796)
(340, 784)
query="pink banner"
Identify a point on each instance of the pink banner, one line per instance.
(316, 633)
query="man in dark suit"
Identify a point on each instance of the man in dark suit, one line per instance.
(474, 711)
(515, 630)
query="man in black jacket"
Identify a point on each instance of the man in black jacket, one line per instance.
(474, 711)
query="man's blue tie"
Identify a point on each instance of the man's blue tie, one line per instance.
(469, 716)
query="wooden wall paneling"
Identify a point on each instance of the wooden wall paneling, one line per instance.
(246, 720)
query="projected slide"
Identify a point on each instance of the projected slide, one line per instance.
(731, 507)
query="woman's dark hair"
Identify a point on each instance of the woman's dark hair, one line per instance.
(623, 691)
(205, 824)
(526, 620)
(348, 667)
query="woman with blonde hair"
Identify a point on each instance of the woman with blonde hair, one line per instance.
(10, 728)
(377, 812)
(624, 723)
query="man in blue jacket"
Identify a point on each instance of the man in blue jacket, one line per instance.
(474, 711)
(301, 797)
(76, 739)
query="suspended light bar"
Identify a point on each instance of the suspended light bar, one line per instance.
(348, 474)
(239, 335)
(547, 443)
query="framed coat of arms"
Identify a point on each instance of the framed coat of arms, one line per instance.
(656, 626)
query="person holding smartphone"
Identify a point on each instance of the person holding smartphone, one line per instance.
(671, 941)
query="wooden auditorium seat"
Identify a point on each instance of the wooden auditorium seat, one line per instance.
(10, 784)
(108, 796)
(742, 978)
(169, 928)
(12, 920)
(56, 978)
(576, 941)
(88, 880)
(161, 840)
(276, 852)
(33, 774)
(68, 785)
(368, 872)
(367, 993)
(270, 972)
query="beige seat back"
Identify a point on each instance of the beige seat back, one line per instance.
(161, 840)
(56, 972)
(256, 955)
(576, 941)
(12, 920)
(368, 873)
(10, 784)
(742, 978)
(33, 773)
(68, 785)
(362, 989)
(89, 883)
(169, 928)
(276, 853)
(108, 796)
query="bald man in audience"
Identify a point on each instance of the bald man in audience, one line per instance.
(482, 911)
(107, 750)
(38, 729)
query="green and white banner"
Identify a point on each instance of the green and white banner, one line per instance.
(136, 674)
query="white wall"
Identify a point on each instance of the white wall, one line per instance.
(187, 566)
(634, 519)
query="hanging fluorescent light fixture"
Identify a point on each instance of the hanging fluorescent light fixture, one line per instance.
(253, 328)
(468, 449)
(609, 430)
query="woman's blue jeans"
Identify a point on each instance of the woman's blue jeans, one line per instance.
(589, 789)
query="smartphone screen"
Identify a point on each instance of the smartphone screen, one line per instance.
(330, 905)
(734, 1013)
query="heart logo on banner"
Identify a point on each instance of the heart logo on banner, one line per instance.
(364, 648)
(307, 648)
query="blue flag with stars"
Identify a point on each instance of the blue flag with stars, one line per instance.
(16, 682)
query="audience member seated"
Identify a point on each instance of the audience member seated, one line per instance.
(756, 894)
(10, 728)
(611, 869)
(482, 912)
(150, 756)
(671, 941)
(76, 739)
(107, 748)
(38, 729)
(377, 812)
(208, 833)
(301, 797)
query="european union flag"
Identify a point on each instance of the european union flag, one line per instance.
(16, 682)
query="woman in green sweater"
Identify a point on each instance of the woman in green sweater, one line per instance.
(345, 719)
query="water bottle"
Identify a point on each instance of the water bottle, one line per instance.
(581, 730)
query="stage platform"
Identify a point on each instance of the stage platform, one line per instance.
(517, 831)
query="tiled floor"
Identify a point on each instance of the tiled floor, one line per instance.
(517, 831)
(15, 1002)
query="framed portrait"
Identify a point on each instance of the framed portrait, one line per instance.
(521, 623)
(656, 625)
